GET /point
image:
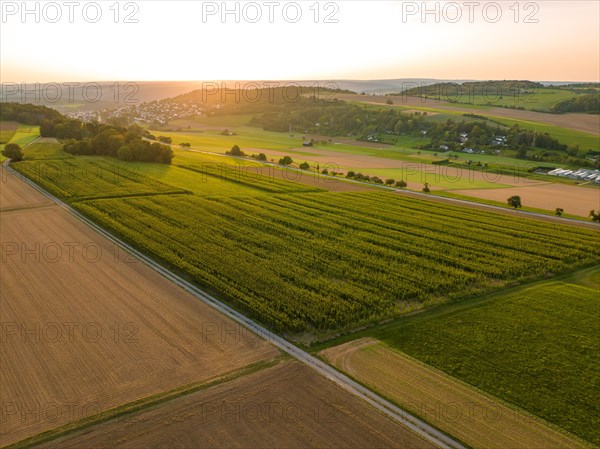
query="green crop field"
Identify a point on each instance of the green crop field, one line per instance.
(193, 181)
(17, 133)
(534, 346)
(312, 264)
(247, 176)
(541, 99)
(81, 178)
(323, 261)
(194, 157)
(25, 134)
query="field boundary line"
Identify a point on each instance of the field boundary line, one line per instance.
(394, 412)
(24, 208)
(142, 404)
(374, 341)
(32, 142)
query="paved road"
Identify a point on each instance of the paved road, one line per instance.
(418, 426)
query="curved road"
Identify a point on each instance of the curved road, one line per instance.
(412, 422)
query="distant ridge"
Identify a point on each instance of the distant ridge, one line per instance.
(147, 91)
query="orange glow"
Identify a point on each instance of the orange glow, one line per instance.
(370, 41)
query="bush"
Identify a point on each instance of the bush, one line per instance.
(78, 147)
(236, 151)
(13, 151)
(286, 160)
(515, 201)
(143, 151)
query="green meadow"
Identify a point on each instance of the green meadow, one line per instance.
(7, 129)
(247, 138)
(564, 135)
(18, 133)
(405, 163)
(542, 99)
(45, 150)
(25, 134)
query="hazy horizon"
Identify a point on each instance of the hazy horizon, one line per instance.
(188, 41)
(301, 80)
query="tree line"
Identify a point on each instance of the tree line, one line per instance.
(589, 103)
(84, 138)
(127, 144)
(28, 114)
(338, 119)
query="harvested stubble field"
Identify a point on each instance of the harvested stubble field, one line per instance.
(86, 328)
(286, 406)
(574, 200)
(478, 420)
(19, 194)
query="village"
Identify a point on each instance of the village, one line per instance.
(152, 113)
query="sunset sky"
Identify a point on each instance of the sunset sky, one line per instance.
(371, 40)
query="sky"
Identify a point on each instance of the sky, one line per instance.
(279, 40)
